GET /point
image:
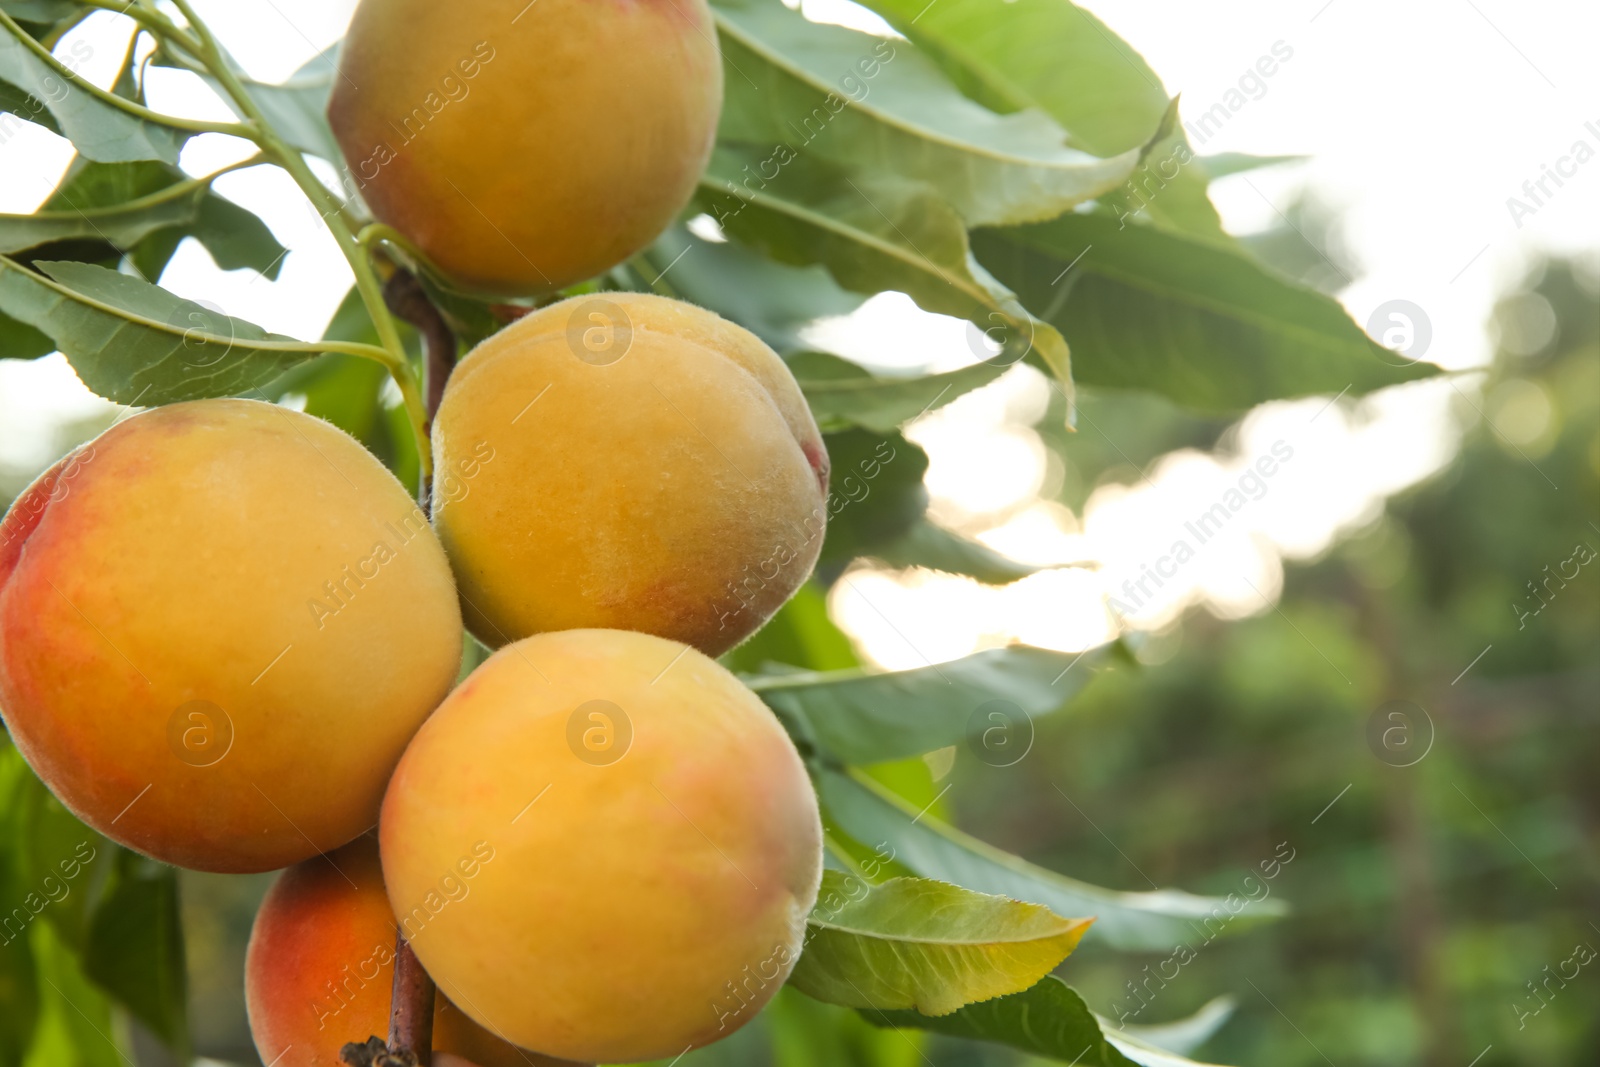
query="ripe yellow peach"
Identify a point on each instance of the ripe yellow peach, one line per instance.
(645, 839)
(321, 963)
(524, 146)
(220, 624)
(630, 462)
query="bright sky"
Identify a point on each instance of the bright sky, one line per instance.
(1422, 119)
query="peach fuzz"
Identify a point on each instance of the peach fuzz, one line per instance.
(220, 624)
(652, 467)
(655, 841)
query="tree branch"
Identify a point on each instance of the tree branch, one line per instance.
(405, 297)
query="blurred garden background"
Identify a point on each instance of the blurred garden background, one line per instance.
(1380, 680)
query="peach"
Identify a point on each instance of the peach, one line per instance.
(603, 845)
(631, 462)
(321, 963)
(522, 146)
(220, 624)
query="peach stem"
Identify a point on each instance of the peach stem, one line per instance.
(411, 1010)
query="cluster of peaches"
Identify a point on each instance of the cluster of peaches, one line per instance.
(230, 640)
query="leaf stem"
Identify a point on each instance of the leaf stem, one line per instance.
(176, 191)
(332, 209)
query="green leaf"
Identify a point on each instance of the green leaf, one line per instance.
(24, 105)
(884, 404)
(1222, 164)
(19, 993)
(873, 238)
(856, 717)
(809, 1033)
(929, 946)
(1055, 56)
(75, 1025)
(235, 237)
(929, 545)
(877, 106)
(297, 108)
(122, 225)
(1206, 326)
(1155, 920)
(19, 998)
(1049, 1019)
(135, 947)
(145, 209)
(135, 343)
(97, 129)
(41, 12)
(875, 492)
(1182, 1036)
(1047, 54)
(63, 859)
(772, 300)
(800, 635)
(20, 341)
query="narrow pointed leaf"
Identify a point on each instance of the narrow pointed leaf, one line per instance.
(929, 545)
(875, 236)
(1182, 1036)
(297, 108)
(121, 225)
(911, 943)
(884, 404)
(97, 129)
(1050, 1019)
(878, 106)
(1154, 920)
(75, 1016)
(1223, 164)
(855, 717)
(135, 343)
(41, 12)
(772, 300)
(135, 947)
(1208, 327)
(1055, 56)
